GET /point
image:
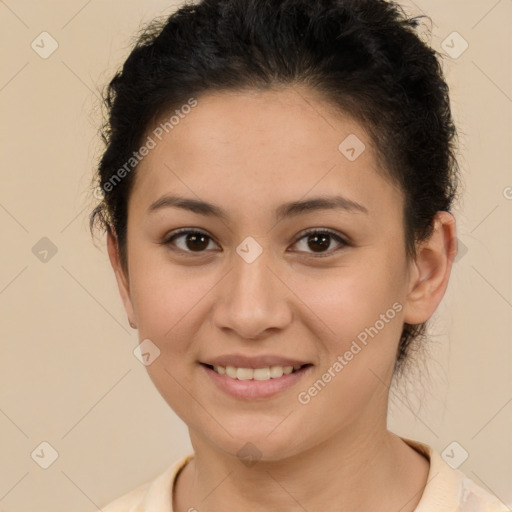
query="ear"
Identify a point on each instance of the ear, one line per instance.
(431, 270)
(121, 277)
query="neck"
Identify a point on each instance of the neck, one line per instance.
(362, 469)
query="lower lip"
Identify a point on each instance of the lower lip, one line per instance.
(254, 389)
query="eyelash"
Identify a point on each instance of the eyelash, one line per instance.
(180, 232)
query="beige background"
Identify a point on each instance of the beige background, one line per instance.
(67, 372)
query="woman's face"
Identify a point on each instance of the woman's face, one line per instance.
(254, 284)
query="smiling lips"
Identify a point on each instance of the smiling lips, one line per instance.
(258, 383)
(259, 368)
(266, 373)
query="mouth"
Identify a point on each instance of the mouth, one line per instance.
(259, 383)
(258, 374)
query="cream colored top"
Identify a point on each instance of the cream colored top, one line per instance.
(447, 490)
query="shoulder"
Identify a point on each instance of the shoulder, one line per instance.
(154, 495)
(450, 489)
(129, 502)
(474, 497)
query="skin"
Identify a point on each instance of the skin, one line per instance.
(249, 152)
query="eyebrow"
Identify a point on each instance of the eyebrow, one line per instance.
(290, 209)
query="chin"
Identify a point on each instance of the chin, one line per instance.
(251, 442)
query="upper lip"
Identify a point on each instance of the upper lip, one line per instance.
(262, 361)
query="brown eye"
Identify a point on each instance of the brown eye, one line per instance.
(196, 241)
(188, 240)
(319, 241)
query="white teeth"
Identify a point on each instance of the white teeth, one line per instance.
(230, 371)
(244, 373)
(276, 372)
(269, 372)
(261, 374)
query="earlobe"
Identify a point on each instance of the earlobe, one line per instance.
(431, 270)
(123, 283)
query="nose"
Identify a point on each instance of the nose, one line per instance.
(253, 299)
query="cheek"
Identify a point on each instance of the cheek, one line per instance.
(353, 298)
(360, 308)
(168, 303)
(164, 295)
(364, 322)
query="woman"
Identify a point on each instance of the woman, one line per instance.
(278, 180)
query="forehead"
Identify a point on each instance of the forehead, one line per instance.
(259, 149)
